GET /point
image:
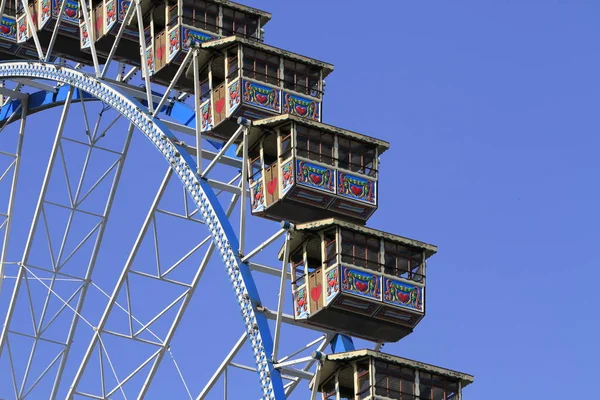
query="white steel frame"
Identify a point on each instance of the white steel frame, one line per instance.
(293, 368)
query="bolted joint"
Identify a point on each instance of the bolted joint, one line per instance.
(243, 121)
(317, 355)
(287, 225)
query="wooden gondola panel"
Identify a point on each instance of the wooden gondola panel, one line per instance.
(271, 183)
(220, 100)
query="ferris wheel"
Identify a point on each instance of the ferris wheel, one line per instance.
(118, 261)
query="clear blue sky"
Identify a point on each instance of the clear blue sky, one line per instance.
(491, 108)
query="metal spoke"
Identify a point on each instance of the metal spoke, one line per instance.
(53, 271)
(15, 165)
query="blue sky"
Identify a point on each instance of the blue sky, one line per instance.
(490, 109)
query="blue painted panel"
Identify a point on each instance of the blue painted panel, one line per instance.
(301, 106)
(22, 30)
(234, 97)
(46, 12)
(207, 120)
(300, 303)
(174, 43)
(8, 28)
(332, 279)
(287, 177)
(402, 294)
(261, 96)
(258, 197)
(190, 36)
(123, 6)
(356, 188)
(316, 176)
(70, 13)
(110, 15)
(361, 283)
(84, 36)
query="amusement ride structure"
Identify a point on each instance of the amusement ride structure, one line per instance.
(239, 123)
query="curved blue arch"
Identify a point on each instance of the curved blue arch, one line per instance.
(43, 100)
(184, 166)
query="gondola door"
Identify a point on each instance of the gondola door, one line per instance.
(315, 284)
(160, 50)
(98, 20)
(272, 183)
(220, 106)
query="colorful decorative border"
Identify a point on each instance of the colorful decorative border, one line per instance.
(403, 294)
(234, 96)
(258, 197)
(8, 28)
(287, 177)
(174, 45)
(361, 283)
(22, 31)
(332, 280)
(207, 120)
(191, 36)
(123, 7)
(316, 176)
(356, 188)
(110, 16)
(45, 12)
(301, 107)
(300, 303)
(261, 96)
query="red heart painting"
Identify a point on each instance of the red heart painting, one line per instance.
(403, 297)
(98, 24)
(159, 52)
(70, 12)
(357, 190)
(301, 110)
(361, 286)
(262, 99)
(5, 29)
(219, 105)
(272, 185)
(316, 178)
(315, 293)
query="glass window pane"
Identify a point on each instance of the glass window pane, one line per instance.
(286, 145)
(228, 15)
(212, 13)
(343, 152)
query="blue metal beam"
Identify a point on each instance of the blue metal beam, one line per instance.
(42, 100)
